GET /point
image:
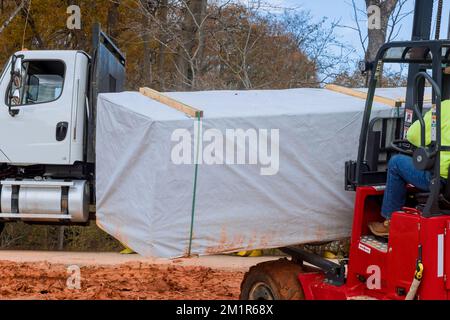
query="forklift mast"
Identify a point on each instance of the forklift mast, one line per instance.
(423, 16)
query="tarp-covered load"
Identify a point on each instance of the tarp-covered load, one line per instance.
(270, 172)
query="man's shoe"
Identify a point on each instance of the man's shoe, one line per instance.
(380, 229)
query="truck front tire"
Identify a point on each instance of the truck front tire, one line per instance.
(272, 280)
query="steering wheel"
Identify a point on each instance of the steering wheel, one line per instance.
(403, 146)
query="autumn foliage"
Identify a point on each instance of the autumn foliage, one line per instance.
(170, 45)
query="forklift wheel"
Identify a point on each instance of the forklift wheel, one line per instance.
(272, 280)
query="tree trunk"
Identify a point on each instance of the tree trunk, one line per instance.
(11, 17)
(162, 15)
(377, 36)
(147, 76)
(200, 63)
(193, 16)
(147, 54)
(113, 19)
(40, 44)
(61, 238)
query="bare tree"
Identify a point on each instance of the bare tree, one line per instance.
(12, 16)
(377, 36)
(163, 18)
(181, 37)
(27, 15)
(188, 45)
(191, 37)
(151, 7)
(392, 14)
(319, 42)
(397, 16)
(113, 19)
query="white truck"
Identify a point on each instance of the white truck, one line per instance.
(47, 131)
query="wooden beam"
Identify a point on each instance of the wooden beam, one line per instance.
(175, 104)
(363, 95)
(426, 99)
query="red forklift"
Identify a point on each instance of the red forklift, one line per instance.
(414, 261)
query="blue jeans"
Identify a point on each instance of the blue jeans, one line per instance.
(401, 171)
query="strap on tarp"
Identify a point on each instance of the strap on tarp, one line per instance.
(194, 193)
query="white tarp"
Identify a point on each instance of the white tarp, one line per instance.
(145, 199)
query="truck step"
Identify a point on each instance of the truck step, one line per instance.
(375, 242)
(361, 298)
(35, 216)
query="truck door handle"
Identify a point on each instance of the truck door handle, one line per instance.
(61, 130)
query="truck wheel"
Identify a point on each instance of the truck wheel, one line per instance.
(2, 226)
(272, 280)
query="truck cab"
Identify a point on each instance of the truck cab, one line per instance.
(42, 125)
(47, 130)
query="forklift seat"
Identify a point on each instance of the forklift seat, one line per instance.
(444, 197)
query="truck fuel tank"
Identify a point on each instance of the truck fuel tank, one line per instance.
(44, 200)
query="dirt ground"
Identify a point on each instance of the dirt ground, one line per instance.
(133, 280)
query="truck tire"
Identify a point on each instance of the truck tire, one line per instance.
(272, 280)
(2, 226)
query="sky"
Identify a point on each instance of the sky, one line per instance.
(342, 10)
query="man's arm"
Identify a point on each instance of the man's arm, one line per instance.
(414, 134)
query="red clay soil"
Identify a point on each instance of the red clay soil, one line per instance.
(127, 281)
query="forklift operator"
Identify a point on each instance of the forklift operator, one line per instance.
(401, 170)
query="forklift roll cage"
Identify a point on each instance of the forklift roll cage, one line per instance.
(426, 54)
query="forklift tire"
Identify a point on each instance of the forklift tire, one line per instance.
(272, 280)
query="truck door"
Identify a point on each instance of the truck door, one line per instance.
(40, 131)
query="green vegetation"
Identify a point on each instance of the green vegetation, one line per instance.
(21, 236)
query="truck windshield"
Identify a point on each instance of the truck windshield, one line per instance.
(43, 81)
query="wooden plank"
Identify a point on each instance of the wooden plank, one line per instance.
(426, 99)
(363, 95)
(175, 104)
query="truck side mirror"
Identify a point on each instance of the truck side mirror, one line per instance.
(16, 84)
(15, 98)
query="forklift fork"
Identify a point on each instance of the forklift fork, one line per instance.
(334, 273)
